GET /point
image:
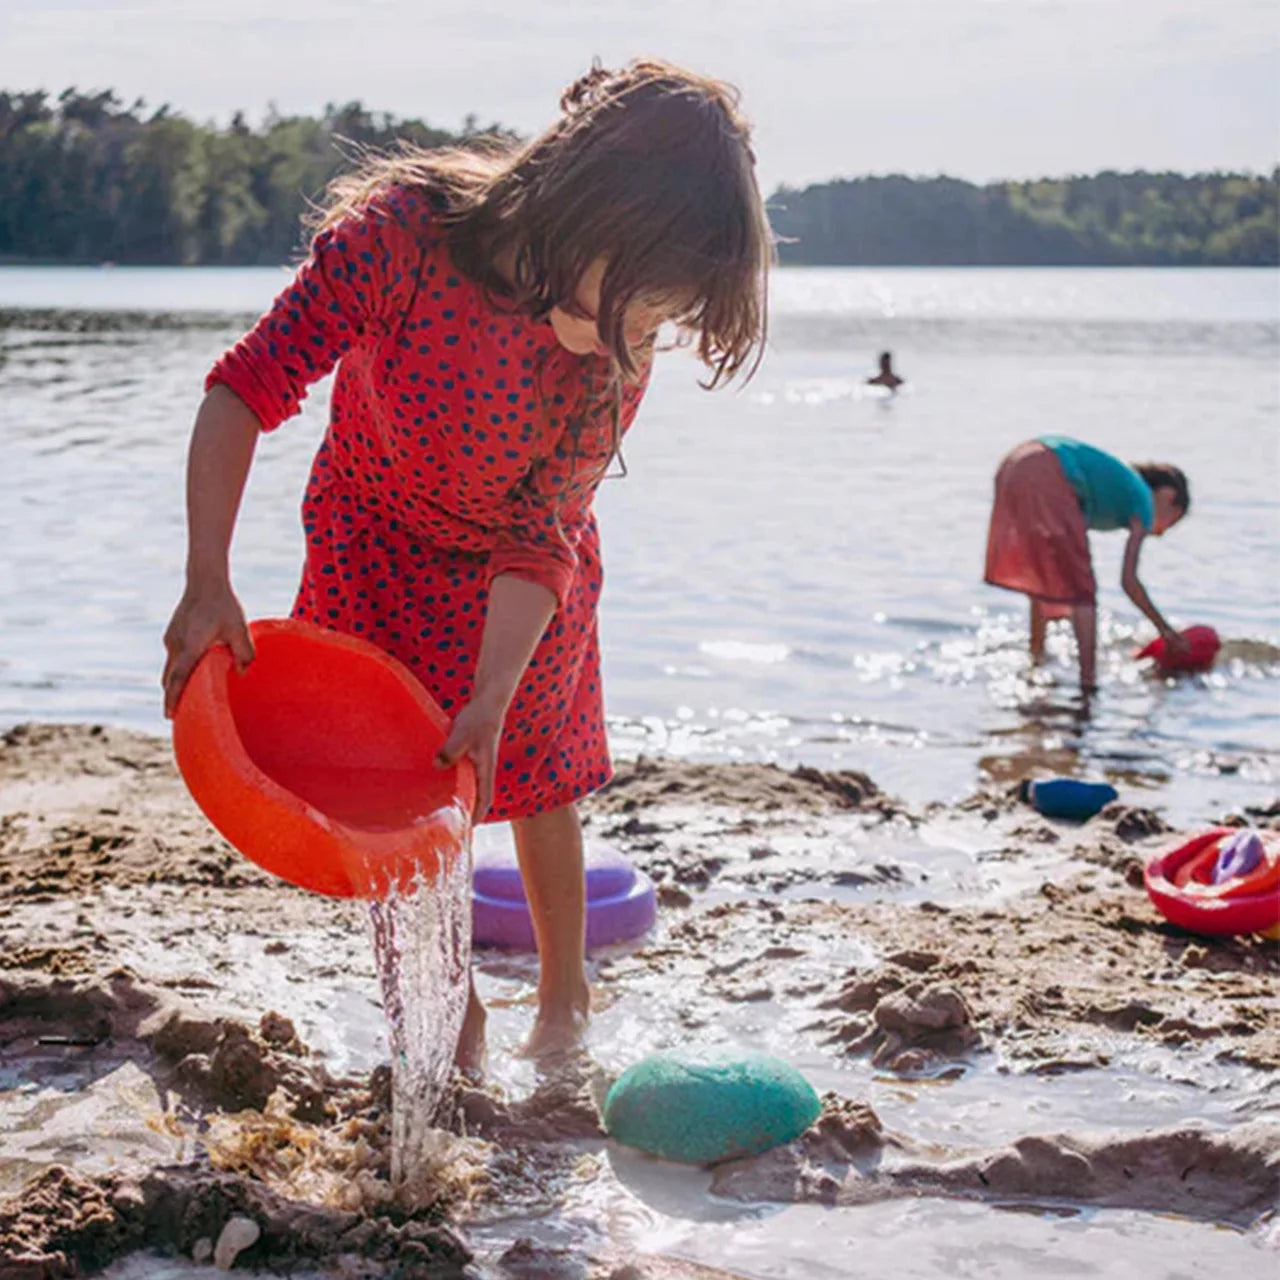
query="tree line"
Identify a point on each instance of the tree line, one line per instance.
(86, 178)
(1107, 219)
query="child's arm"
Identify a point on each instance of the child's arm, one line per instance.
(1136, 592)
(218, 461)
(532, 570)
(548, 512)
(518, 614)
(358, 278)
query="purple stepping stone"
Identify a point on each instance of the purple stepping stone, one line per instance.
(621, 904)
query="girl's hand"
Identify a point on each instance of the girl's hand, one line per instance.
(205, 616)
(518, 613)
(475, 733)
(1176, 645)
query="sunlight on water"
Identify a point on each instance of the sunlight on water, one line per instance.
(738, 651)
(793, 569)
(422, 944)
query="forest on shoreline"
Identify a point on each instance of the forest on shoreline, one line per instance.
(85, 178)
(1104, 220)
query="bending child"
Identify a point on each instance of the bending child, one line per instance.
(492, 315)
(1049, 493)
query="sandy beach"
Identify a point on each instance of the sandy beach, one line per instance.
(159, 1080)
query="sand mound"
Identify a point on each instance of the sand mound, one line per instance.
(846, 1158)
(654, 783)
(65, 1225)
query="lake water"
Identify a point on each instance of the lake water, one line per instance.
(793, 568)
(794, 573)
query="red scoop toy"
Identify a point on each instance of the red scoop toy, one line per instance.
(318, 762)
(1203, 645)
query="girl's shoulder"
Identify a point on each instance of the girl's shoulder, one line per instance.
(411, 219)
(395, 234)
(398, 216)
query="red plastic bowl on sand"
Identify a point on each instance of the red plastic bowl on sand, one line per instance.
(1203, 644)
(317, 762)
(1180, 883)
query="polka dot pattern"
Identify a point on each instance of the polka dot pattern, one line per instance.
(463, 442)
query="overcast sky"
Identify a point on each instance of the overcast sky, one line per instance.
(979, 89)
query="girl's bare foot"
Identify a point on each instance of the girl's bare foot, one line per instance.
(558, 1029)
(469, 1056)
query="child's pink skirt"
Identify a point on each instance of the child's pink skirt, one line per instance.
(1038, 543)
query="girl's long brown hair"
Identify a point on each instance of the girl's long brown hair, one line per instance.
(650, 168)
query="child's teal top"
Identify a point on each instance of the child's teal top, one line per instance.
(1110, 491)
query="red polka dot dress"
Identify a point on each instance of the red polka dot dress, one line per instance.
(464, 442)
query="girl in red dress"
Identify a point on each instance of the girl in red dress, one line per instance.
(492, 316)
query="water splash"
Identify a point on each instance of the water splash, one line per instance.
(422, 945)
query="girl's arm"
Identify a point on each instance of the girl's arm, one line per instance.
(1134, 589)
(518, 613)
(359, 277)
(547, 514)
(218, 461)
(531, 573)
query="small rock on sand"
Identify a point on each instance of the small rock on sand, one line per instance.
(234, 1239)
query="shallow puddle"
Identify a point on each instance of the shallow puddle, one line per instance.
(922, 1239)
(95, 1123)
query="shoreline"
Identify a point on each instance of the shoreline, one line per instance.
(141, 958)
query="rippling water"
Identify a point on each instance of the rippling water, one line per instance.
(793, 569)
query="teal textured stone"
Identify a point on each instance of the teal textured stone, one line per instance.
(704, 1112)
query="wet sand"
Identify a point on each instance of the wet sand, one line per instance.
(133, 954)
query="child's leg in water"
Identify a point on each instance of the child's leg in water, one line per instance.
(1084, 620)
(549, 847)
(1039, 625)
(469, 1055)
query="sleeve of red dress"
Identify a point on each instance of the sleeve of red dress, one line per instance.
(360, 273)
(552, 508)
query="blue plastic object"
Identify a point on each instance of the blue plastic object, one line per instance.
(1068, 797)
(621, 903)
(696, 1112)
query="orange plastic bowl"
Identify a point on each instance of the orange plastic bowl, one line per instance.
(317, 762)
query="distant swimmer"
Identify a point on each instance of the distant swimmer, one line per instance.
(886, 377)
